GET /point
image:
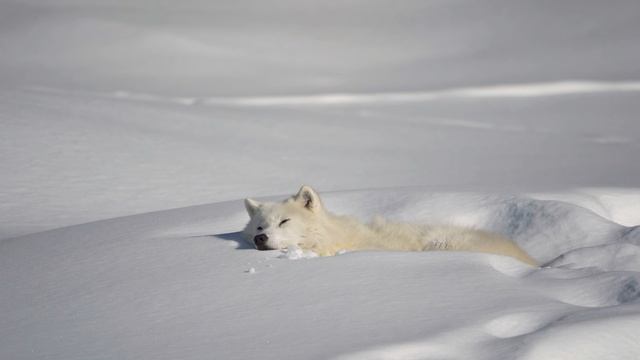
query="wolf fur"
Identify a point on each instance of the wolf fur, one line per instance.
(303, 221)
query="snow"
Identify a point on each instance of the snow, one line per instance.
(70, 158)
(182, 283)
(296, 253)
(130, 132)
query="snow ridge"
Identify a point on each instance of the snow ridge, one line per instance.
(505, 91)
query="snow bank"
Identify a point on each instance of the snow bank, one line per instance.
(182, 283)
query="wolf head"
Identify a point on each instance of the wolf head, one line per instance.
(288, 223)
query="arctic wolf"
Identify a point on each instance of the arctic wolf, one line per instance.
(302, 221)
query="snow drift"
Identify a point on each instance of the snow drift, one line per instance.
(182, 284)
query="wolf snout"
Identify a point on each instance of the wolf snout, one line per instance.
(261, 241)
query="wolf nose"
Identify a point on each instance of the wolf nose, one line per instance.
(260, 240)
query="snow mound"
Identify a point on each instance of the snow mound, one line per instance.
(182, 284)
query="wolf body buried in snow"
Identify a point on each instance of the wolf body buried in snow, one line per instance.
(303, 222)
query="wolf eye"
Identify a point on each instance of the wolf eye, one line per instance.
(260, 228)
(283, 222)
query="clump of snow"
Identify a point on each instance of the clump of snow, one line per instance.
(296, 253)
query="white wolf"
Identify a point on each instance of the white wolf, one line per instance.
(302, 221)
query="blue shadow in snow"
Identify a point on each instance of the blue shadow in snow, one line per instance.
(235, 237)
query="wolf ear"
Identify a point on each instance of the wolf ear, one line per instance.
(308, 198)
(251, 206)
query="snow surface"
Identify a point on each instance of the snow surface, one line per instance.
(516, 117)
(112, 108)
(182, 284)
(69, 157)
